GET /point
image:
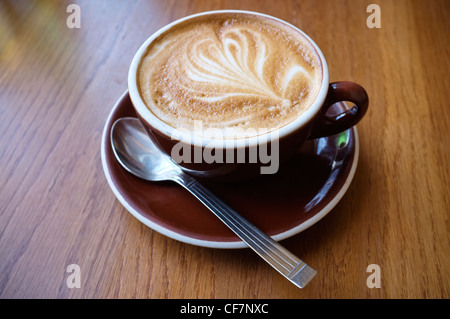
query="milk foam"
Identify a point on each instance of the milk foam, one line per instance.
(230, 70)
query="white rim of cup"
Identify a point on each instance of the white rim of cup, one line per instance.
(170, 131)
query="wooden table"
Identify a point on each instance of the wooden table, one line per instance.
(58, 85)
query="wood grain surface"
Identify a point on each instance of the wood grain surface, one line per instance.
(58, 85)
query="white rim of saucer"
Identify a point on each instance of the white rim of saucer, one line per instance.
(169, 131)
(221, 244)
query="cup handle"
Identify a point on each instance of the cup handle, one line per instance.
(326, 125)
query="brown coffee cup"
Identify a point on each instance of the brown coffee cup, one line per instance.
(243, 158)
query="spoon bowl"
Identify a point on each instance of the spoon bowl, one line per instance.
(137, 154)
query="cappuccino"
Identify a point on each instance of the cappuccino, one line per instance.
(231, 71)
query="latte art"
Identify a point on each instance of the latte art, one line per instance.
(232, 70)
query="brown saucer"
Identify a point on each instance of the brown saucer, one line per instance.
(282, 205)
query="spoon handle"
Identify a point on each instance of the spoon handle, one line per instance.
(272, 252)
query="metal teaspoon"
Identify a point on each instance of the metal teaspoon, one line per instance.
(135, 151)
